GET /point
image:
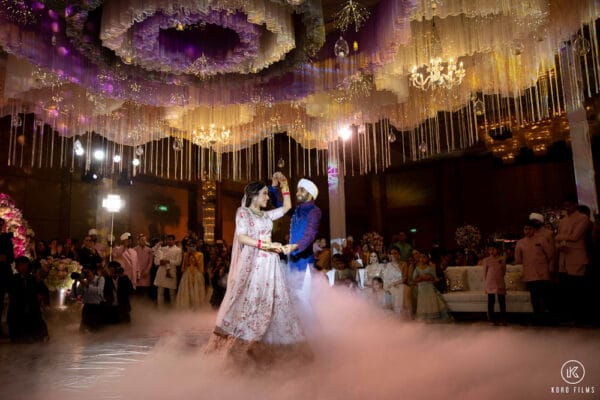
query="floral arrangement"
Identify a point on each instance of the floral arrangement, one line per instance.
(59, 272)
(15, 223)
(468, 237)
(374, 240)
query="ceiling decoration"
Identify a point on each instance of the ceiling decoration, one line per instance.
(226, 74)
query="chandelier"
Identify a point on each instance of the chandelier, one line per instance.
(210, 137)
(438, 74)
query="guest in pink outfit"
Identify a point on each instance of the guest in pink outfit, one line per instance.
(145, 256)
(494, 269)
(535, 253)
(572, 258)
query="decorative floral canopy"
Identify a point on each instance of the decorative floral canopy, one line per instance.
(225, 74)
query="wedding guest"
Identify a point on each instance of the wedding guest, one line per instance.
(145, 257)
(126, 255)
(395, 282)
(374, 269)
(168, 258)
(430, 303)
(124, 290)
(572, 257)
(7, 256)
(41, 250)
(155, 244)
(405, 249)
(88, 255)
(342, 272)
(350, 251)
(192, 291)
(546, 234)
(109, 310)
(70, 249)
(494, 269)
(25, 321)
(534, 252)
(218, 278)
(97, 244)
(92, 286)
(446, 260)
(323, 258)
(377, 296)
(53, 249)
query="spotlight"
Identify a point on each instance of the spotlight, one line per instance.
(117, 158)
(91, 177)
(136, 162)
(99, 155)
(345, 132)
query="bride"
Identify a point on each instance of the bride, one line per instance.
(257, 321)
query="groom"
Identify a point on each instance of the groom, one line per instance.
(301, 260)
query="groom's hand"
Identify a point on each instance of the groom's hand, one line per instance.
(288, 248)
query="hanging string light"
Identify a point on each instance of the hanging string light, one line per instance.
(352, 13)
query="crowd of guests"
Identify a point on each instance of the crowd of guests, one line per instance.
(186, 274)
(561, 270)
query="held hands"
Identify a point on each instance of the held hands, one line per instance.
(279, 179)
(272, 246)
(288, 248)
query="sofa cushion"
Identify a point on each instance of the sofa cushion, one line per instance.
(456, 279)
(514, 281)
(475, 278)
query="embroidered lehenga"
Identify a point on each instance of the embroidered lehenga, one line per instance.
(257, 320)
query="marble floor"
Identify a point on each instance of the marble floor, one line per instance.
(359, 356)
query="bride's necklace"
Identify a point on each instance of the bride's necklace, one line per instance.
(257, 213)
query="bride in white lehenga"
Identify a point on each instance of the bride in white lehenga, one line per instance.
(257, 321)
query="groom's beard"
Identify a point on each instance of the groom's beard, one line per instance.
(301, 198)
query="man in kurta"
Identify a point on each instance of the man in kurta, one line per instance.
(168, 258)
(303, 231)
(573, 259)
(126, 255)
(535, 253)
(145, 257)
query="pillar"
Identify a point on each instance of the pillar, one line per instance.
(337, 200)
(579, 129)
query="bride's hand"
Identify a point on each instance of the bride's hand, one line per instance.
(281, 179)
(272, 246)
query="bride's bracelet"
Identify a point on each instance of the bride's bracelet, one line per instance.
(259, 244)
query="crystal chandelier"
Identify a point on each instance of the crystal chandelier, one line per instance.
(438, 74)
(210, 137)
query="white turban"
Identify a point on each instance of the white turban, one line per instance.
(92, 232)
(125, 236)
(536, 217)
(309, 187)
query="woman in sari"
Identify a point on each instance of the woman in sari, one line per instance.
(395, 282)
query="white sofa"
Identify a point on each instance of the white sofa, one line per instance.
(474, 299)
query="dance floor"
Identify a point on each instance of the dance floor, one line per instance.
(358, 355)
